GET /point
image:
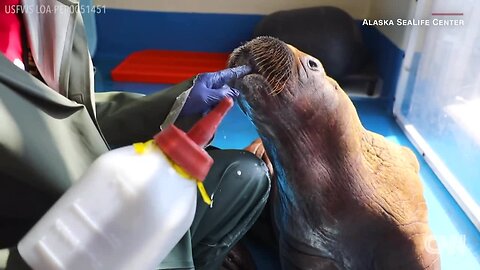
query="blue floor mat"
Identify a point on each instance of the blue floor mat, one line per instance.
(458, 239)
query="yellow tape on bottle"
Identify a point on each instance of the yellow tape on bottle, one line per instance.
(140, 148)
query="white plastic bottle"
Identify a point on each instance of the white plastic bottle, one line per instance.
(130, 208)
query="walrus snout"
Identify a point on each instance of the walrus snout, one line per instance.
(268, 57)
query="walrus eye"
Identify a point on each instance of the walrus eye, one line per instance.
(312, 65)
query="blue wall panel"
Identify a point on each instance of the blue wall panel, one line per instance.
(121, 32)
(124, 31)
(388, 59)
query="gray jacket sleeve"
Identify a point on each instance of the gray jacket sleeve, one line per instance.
(125, 118)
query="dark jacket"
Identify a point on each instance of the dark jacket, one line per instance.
(47, 141)
(51, 133)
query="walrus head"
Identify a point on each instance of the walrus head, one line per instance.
(346, 198)
(278, 69)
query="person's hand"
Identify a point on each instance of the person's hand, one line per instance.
(210, 88)
(257, 148)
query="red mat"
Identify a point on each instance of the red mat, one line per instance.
(159, 66)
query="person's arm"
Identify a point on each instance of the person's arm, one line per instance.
(125, 118)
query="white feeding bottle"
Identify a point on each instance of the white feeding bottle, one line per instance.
(130, 208)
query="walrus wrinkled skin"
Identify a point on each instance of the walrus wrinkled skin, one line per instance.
(346, 198)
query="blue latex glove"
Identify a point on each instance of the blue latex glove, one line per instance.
(210, 88)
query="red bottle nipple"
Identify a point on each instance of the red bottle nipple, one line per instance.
(186, 150)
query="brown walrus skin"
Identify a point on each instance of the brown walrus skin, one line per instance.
(346, 198)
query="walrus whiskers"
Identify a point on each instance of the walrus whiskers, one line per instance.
(273, 61)
(269, 66)
(282, 77)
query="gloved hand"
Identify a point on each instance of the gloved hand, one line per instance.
(210, 88)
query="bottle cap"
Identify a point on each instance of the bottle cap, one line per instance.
(187, 150)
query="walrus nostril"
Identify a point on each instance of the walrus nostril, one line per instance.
(312, 64)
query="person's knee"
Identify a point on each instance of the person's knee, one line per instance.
(239, 186)
(243, 171)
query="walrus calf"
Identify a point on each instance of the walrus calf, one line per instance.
(345, 198)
